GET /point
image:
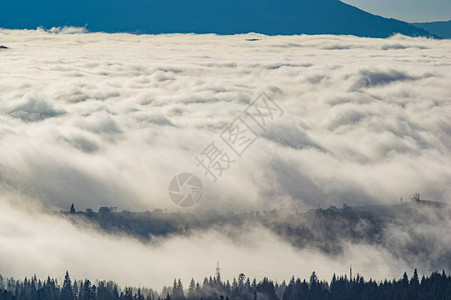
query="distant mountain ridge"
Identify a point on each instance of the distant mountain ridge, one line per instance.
(442, 29)
(270, 17)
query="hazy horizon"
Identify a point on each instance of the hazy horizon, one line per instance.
(411, 11)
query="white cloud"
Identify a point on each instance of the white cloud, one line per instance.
(43, 244)
(34, 106)
(65, 30)
(108, 119)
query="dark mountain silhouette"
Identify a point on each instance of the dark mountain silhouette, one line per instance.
(442, 29)
(204, 16)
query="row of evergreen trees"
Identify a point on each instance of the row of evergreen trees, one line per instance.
(434, 287)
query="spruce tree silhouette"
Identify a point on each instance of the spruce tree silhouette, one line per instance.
(67, 292)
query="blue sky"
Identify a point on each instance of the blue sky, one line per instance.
(407, 10)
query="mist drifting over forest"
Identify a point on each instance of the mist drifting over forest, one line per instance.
(102, 119)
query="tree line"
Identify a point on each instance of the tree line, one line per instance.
(437, 286)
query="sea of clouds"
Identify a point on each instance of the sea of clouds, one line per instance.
(100, 119)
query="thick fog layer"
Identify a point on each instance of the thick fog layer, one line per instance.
(100, 119)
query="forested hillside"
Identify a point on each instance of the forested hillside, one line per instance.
(437, 286)
(405, 230)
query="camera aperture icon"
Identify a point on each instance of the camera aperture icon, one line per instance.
(185, 189)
